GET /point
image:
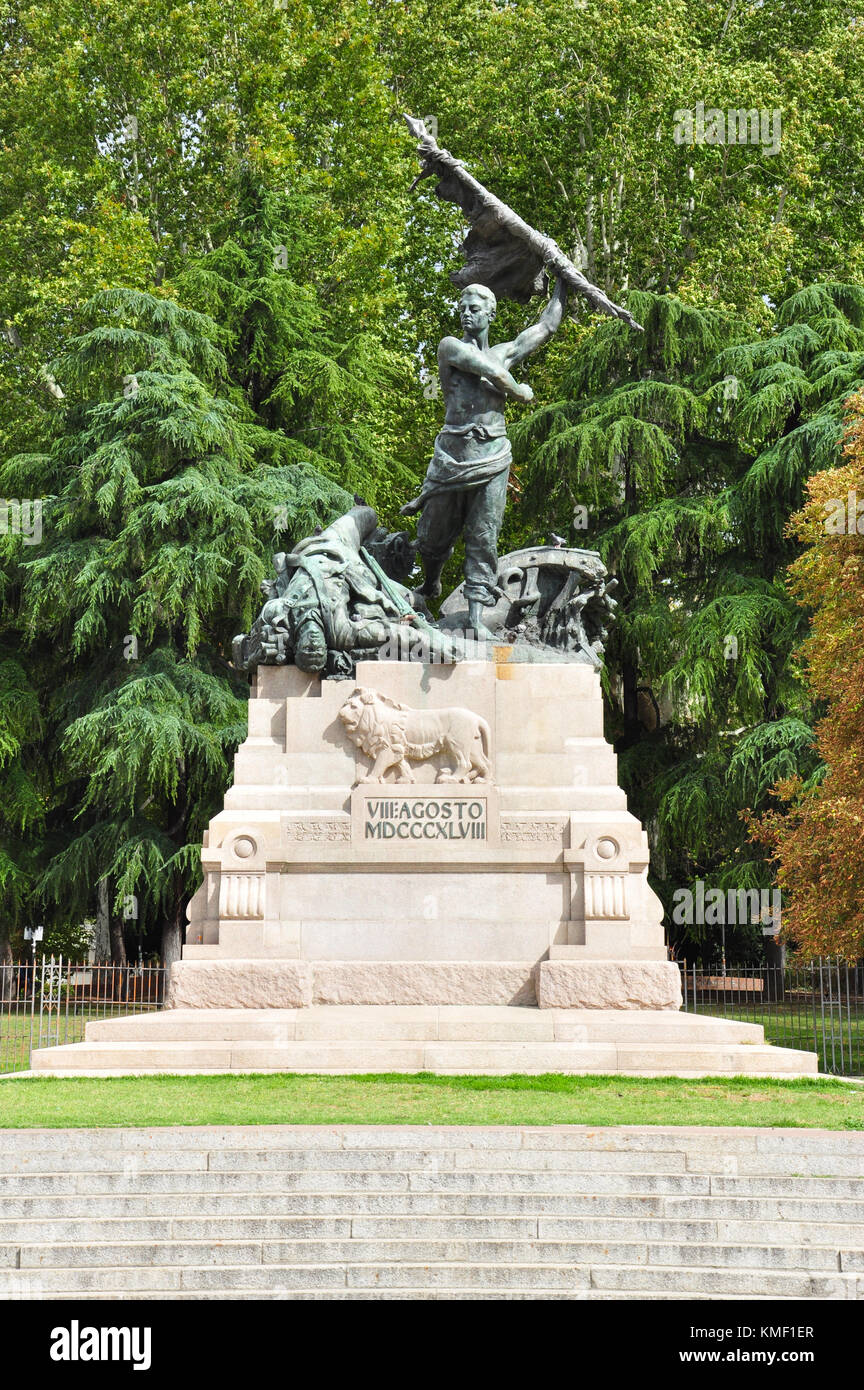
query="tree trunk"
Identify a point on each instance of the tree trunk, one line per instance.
(630, 700)
(102, 934)
(173, 932)
(633, 730)
(6, 972)
(118, 942)
(775, 956)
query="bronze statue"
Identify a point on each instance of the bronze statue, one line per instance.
(341, 596)
(465, 489)
(332, 604)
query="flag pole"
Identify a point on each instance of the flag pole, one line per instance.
(439, 162)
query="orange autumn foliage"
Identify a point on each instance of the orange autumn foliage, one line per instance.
(817, 839)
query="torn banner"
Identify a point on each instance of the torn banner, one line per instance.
(501, 251)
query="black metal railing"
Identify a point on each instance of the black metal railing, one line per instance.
(49, 1000)
(816, 1005)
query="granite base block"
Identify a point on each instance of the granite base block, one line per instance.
(295, 984)
(608, 984)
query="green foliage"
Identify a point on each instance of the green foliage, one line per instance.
(569, 113)
(162, 490)
(305, 369)
(21, 806)
(690, 446)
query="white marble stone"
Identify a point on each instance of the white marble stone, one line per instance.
(240, 984)
(422, 982)
(299, 867)
(608, 984)
(445, 1039)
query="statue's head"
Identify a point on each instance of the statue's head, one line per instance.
(477, 308)
(310, 645)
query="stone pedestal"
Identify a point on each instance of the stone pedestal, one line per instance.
(526, 885)
(348, 925)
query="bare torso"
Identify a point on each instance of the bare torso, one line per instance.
(472, 400)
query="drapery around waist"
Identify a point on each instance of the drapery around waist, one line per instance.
(446, 474)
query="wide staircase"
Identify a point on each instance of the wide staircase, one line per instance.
(558, 1212)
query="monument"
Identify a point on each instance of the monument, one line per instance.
(425, 860)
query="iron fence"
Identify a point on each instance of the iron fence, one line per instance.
(48, 1001)
(816, 1006)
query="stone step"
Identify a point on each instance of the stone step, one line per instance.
(406, 1139)
(425, 1213)
(714, 1283)
(409, 1294)
(478, 1166)
(295, 1162)
(373, 1193)
(466, 1170)
(535, 1228)
(742, 1158)
(659, 1025)
(529, 1199)
(447, 1040)
(174, 1200)
(786, 1187)
(217, 1250)
(335, 1023)
(690, 1059)
(435, 1295)
(423, 1023)
(442, 1058)
(326, 1056)
(753, 1230)
(57, 1281)
(230, 1194)
(122, 1193)
(173, 1226)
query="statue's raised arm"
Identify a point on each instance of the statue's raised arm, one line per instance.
(539, 333)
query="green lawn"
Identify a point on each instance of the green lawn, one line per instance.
(426, 1099)
(837, 1037)
(17, 1030)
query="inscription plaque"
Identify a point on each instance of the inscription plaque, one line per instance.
(425, 822)
(425, 818)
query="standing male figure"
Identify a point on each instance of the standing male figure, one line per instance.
(465, 489)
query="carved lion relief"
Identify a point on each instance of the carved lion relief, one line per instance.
(395, 735)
